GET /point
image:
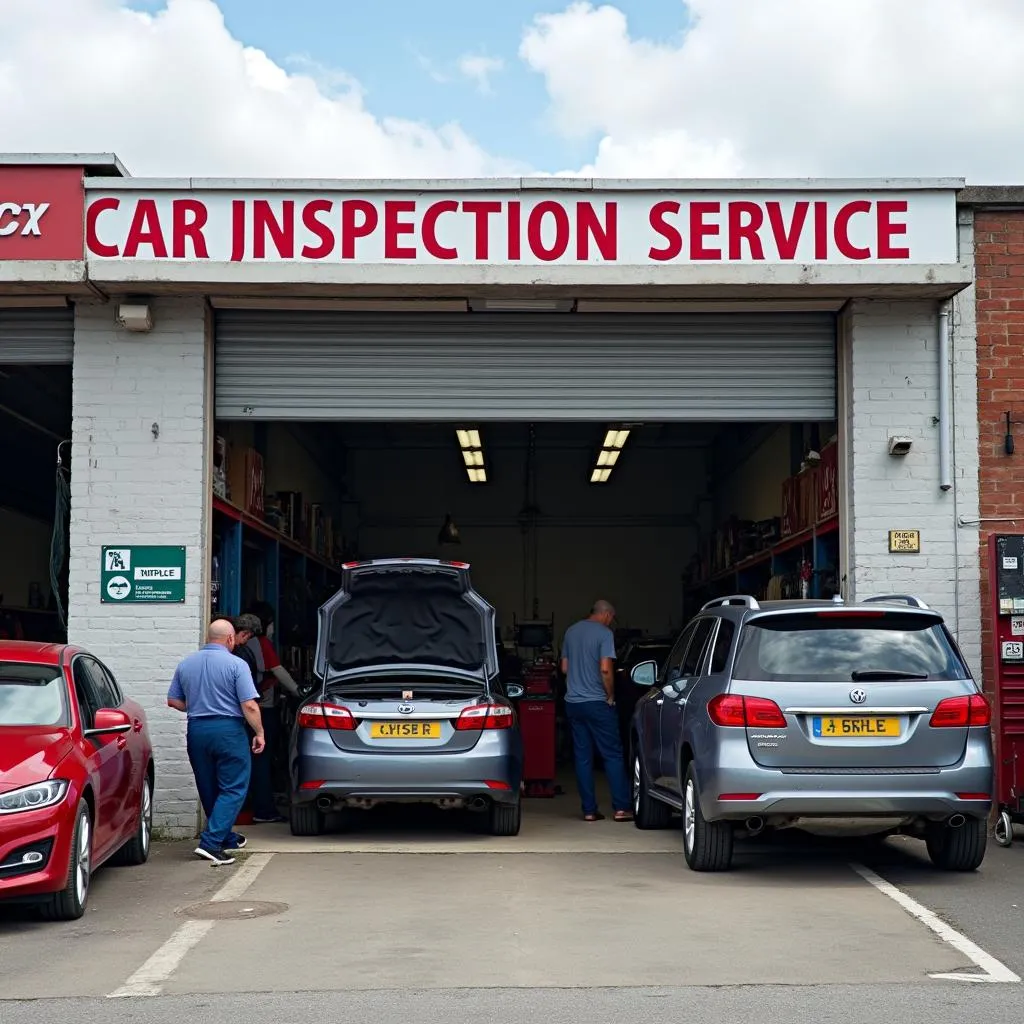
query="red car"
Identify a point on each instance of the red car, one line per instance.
(76, 775)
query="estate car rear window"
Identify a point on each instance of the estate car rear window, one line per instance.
(830, 647)
(31, 695)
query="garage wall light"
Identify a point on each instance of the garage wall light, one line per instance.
(615, 438)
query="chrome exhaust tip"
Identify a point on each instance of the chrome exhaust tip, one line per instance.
(324, 803)
(956, 821)
(755, 825)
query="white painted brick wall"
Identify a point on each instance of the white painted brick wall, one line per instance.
(129, 488)
(892, 388)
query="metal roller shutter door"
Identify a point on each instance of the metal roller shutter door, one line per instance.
(510, 366)
(37, 336)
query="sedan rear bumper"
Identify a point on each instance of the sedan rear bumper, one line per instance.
(341, 793)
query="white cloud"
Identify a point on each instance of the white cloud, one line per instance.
(793, 87)
(479, 69)
(754, 87)
(174, 93)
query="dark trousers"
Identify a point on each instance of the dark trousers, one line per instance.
(218, 750)
(595, 723)
(261, 787)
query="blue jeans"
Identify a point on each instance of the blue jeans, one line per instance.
(595, 723)
(261, 787)
(218, 750)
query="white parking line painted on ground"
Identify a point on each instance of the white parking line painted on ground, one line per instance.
(993, 970)
(150, 978)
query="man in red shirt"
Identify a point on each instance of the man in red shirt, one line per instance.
(270, 674)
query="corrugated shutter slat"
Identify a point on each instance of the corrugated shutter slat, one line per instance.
(37, 337)
(412, 366)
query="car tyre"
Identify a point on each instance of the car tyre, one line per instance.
(505, 819)
(69, 904)
(136, 850)
(958, 849)
(707, 845)
(306, 820)
(648, 812)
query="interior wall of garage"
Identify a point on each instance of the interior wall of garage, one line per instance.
(891, 383)
(626, 541)
(25, 558)
(131, 487)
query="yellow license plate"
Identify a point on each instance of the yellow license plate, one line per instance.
(405, 730)
(829, 728)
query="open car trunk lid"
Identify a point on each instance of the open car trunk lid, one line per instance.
(397, 615)
(857, 689)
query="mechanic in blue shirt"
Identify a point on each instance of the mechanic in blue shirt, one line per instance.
(216, 691)
(588, 661)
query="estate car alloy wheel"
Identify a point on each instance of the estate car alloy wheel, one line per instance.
(648, 812)
(707, 845)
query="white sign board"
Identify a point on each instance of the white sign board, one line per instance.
(531, 227)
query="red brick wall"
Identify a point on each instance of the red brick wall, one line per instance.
(999, 255)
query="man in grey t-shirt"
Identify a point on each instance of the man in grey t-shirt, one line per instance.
(588, 661)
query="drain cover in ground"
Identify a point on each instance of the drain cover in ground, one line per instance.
(232, 910)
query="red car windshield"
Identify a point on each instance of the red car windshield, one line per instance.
(31, 695)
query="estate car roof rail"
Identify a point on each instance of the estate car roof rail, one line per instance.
(914, 602)
(742, 599)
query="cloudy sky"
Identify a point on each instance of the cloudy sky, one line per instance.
(391, 88)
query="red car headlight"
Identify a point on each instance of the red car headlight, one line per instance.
(33, 798)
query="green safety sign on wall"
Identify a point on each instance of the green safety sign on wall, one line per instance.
(150, 575)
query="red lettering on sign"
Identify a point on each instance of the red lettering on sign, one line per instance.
(352, 229)
(821, 230)
(887, 229)
(430, 242)
(699, 230)
(745, 221)
(673, 239)
(515, 230)
(188, 218)
(312, 223)
(92, 238)
(787, 238)
(590, 228)
(842, 230)
(481, 210)
(394, 228)
(535, 231)
(282, 232)
(237, 230)
(145, 230)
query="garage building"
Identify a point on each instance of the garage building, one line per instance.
(649, 392)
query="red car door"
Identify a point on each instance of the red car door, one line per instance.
(135, 752)
(105, 757)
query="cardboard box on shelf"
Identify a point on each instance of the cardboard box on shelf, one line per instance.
(790, 510)
(828, 482)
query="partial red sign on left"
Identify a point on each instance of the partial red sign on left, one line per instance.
(42, 213)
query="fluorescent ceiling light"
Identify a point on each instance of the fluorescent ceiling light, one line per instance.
(600, 476)
(608, 457)
(473, 458)
(469, 438)
(615, 438)
(477, 476)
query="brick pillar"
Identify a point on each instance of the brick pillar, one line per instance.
(129, 487)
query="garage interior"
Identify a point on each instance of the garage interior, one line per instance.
(654, 504)
(35, 419)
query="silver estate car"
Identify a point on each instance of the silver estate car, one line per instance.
(410, 707)
(816, 715)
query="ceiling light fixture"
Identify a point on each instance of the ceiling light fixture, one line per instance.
(473, 458)
(614, 441)
(468, 438)
(615, 438)
(477, 476)
(472, 454)
(600, 476)
(608, 457)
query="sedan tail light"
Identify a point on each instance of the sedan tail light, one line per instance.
(961, 713)
(326, 716)
(732, 710)
(485, 716)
